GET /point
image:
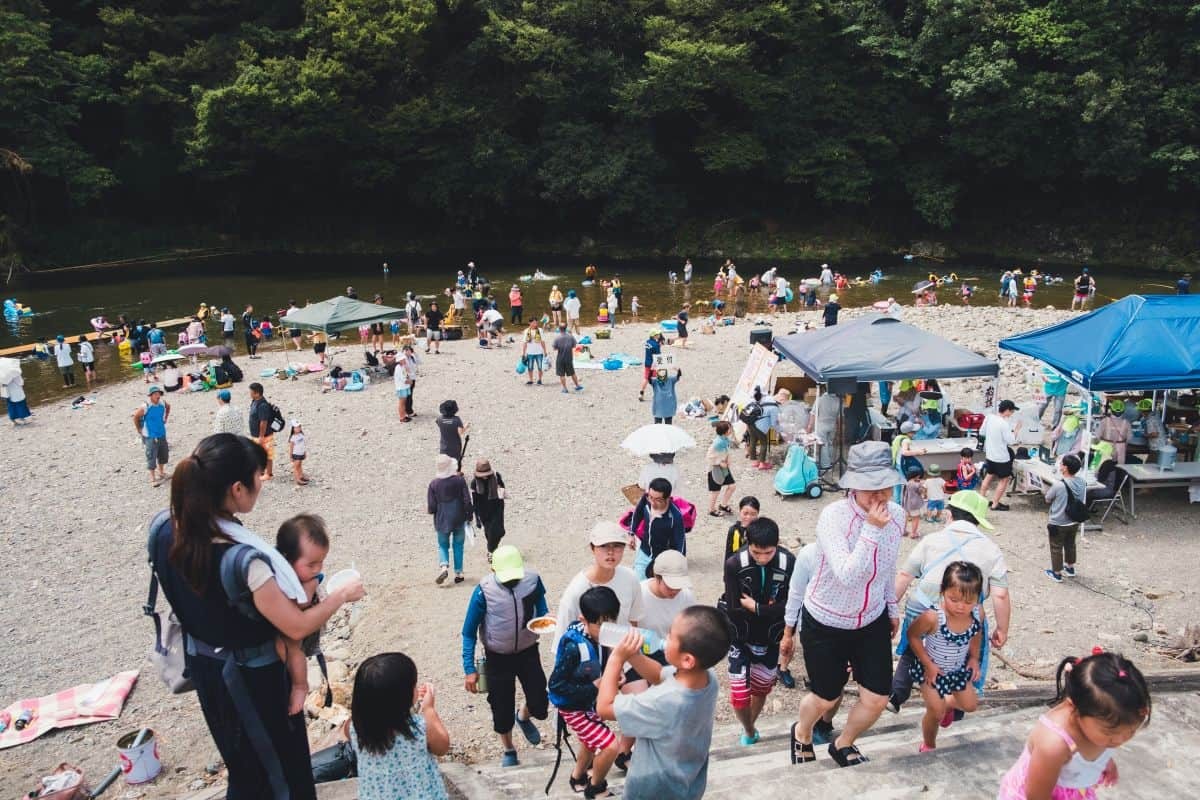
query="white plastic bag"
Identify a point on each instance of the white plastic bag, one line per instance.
(470, 538)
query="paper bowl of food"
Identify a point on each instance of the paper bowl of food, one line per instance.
(540, 625)
(339, 579)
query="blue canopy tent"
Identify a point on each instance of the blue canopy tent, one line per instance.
(1135, 344)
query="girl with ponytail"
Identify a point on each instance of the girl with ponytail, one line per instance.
(1102, 702)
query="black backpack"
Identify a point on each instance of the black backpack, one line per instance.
(1077, 510)
(276, 421)
(751, 412)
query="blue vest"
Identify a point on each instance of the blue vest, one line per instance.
(154, 422)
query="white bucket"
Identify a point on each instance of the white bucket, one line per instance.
(139, 763)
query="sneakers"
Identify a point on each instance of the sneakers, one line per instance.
(1069, 570)
(785, 677)
(924, 748)
(458, 577)
(822, 732)
(509, 759)
(441, 578)
(893, 704)
(1054, 576)
(528, 729)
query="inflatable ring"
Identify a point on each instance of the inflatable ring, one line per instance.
(882, 305)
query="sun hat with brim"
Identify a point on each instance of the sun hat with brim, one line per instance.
(671, 566)
(933, 470)
(655, 332)
(869, 468)
(154, 390)
(974, 504)
(1145, 404)
(508, 564)
(483, 469)
(908, 426)
(603, 532)
(1116, 405)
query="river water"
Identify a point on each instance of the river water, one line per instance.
(65, 302)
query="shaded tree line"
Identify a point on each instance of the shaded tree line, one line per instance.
(594, 115)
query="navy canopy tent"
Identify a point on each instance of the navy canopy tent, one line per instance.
(875, 347)
(1136, 343)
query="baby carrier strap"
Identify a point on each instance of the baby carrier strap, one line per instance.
(159, 526)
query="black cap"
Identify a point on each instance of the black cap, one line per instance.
(1008, 405)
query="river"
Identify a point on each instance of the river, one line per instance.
(65, 302)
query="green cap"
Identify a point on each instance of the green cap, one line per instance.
(1145, 404)
(974, 504)
(508, 564)
(154, 390)
(1116, 405)
(933, 470)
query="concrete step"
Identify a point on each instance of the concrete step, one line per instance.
(971, 757)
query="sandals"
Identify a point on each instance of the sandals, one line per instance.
(578, 785)
(802, 752)
(842, 755)
(597, 790)
(726, 509)
(715, 514)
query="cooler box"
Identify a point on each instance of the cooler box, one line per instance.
(761, 336)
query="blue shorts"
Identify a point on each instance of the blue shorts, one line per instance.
(935, 506)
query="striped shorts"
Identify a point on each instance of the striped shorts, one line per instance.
(590, 729)
(753, 672)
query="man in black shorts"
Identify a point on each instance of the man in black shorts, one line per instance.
(433, 328)
(998, 437)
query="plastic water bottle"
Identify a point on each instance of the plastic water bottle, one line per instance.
(611, 634)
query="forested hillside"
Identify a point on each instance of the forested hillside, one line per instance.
(594, 115)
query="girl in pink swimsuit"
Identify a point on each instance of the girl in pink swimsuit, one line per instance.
(1102, 702)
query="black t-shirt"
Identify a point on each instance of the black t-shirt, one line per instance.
(451, 442)
(1082, 284)
(433, 320)
(830, 313)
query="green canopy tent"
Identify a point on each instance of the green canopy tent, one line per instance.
(339, 313)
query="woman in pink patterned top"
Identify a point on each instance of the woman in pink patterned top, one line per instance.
(850, 612)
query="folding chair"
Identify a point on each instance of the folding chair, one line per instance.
(1112, 494)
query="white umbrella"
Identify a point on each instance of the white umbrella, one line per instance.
(165, 357)
(193, 349)
(9, 369)
(657, 438)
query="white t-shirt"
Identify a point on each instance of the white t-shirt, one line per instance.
(459, 300)
(227, 321)
(935, 489)
(997, 435)
(492, 315)
(658, 613)
(534, 345)
(571, 306)
(402, 375)
(623, 582)
(62, 352)
(86, 354)
(298, 445)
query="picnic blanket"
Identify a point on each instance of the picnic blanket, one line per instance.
(80, 705)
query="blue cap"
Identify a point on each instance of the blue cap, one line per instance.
(224, 395)
(570, 293)
(60, 337)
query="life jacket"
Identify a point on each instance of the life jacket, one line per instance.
(767, 584)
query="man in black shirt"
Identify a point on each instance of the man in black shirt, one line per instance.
(260, 426)
(433, 327)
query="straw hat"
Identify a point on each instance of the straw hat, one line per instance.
(483, 468)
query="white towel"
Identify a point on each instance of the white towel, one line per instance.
(285, 576)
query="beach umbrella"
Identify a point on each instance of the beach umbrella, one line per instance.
(921, 286)
(658, 438)
(220, 351)
(193, 349)
(165, 357)
(9, 369)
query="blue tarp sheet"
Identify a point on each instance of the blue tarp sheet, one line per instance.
(1137, 343)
